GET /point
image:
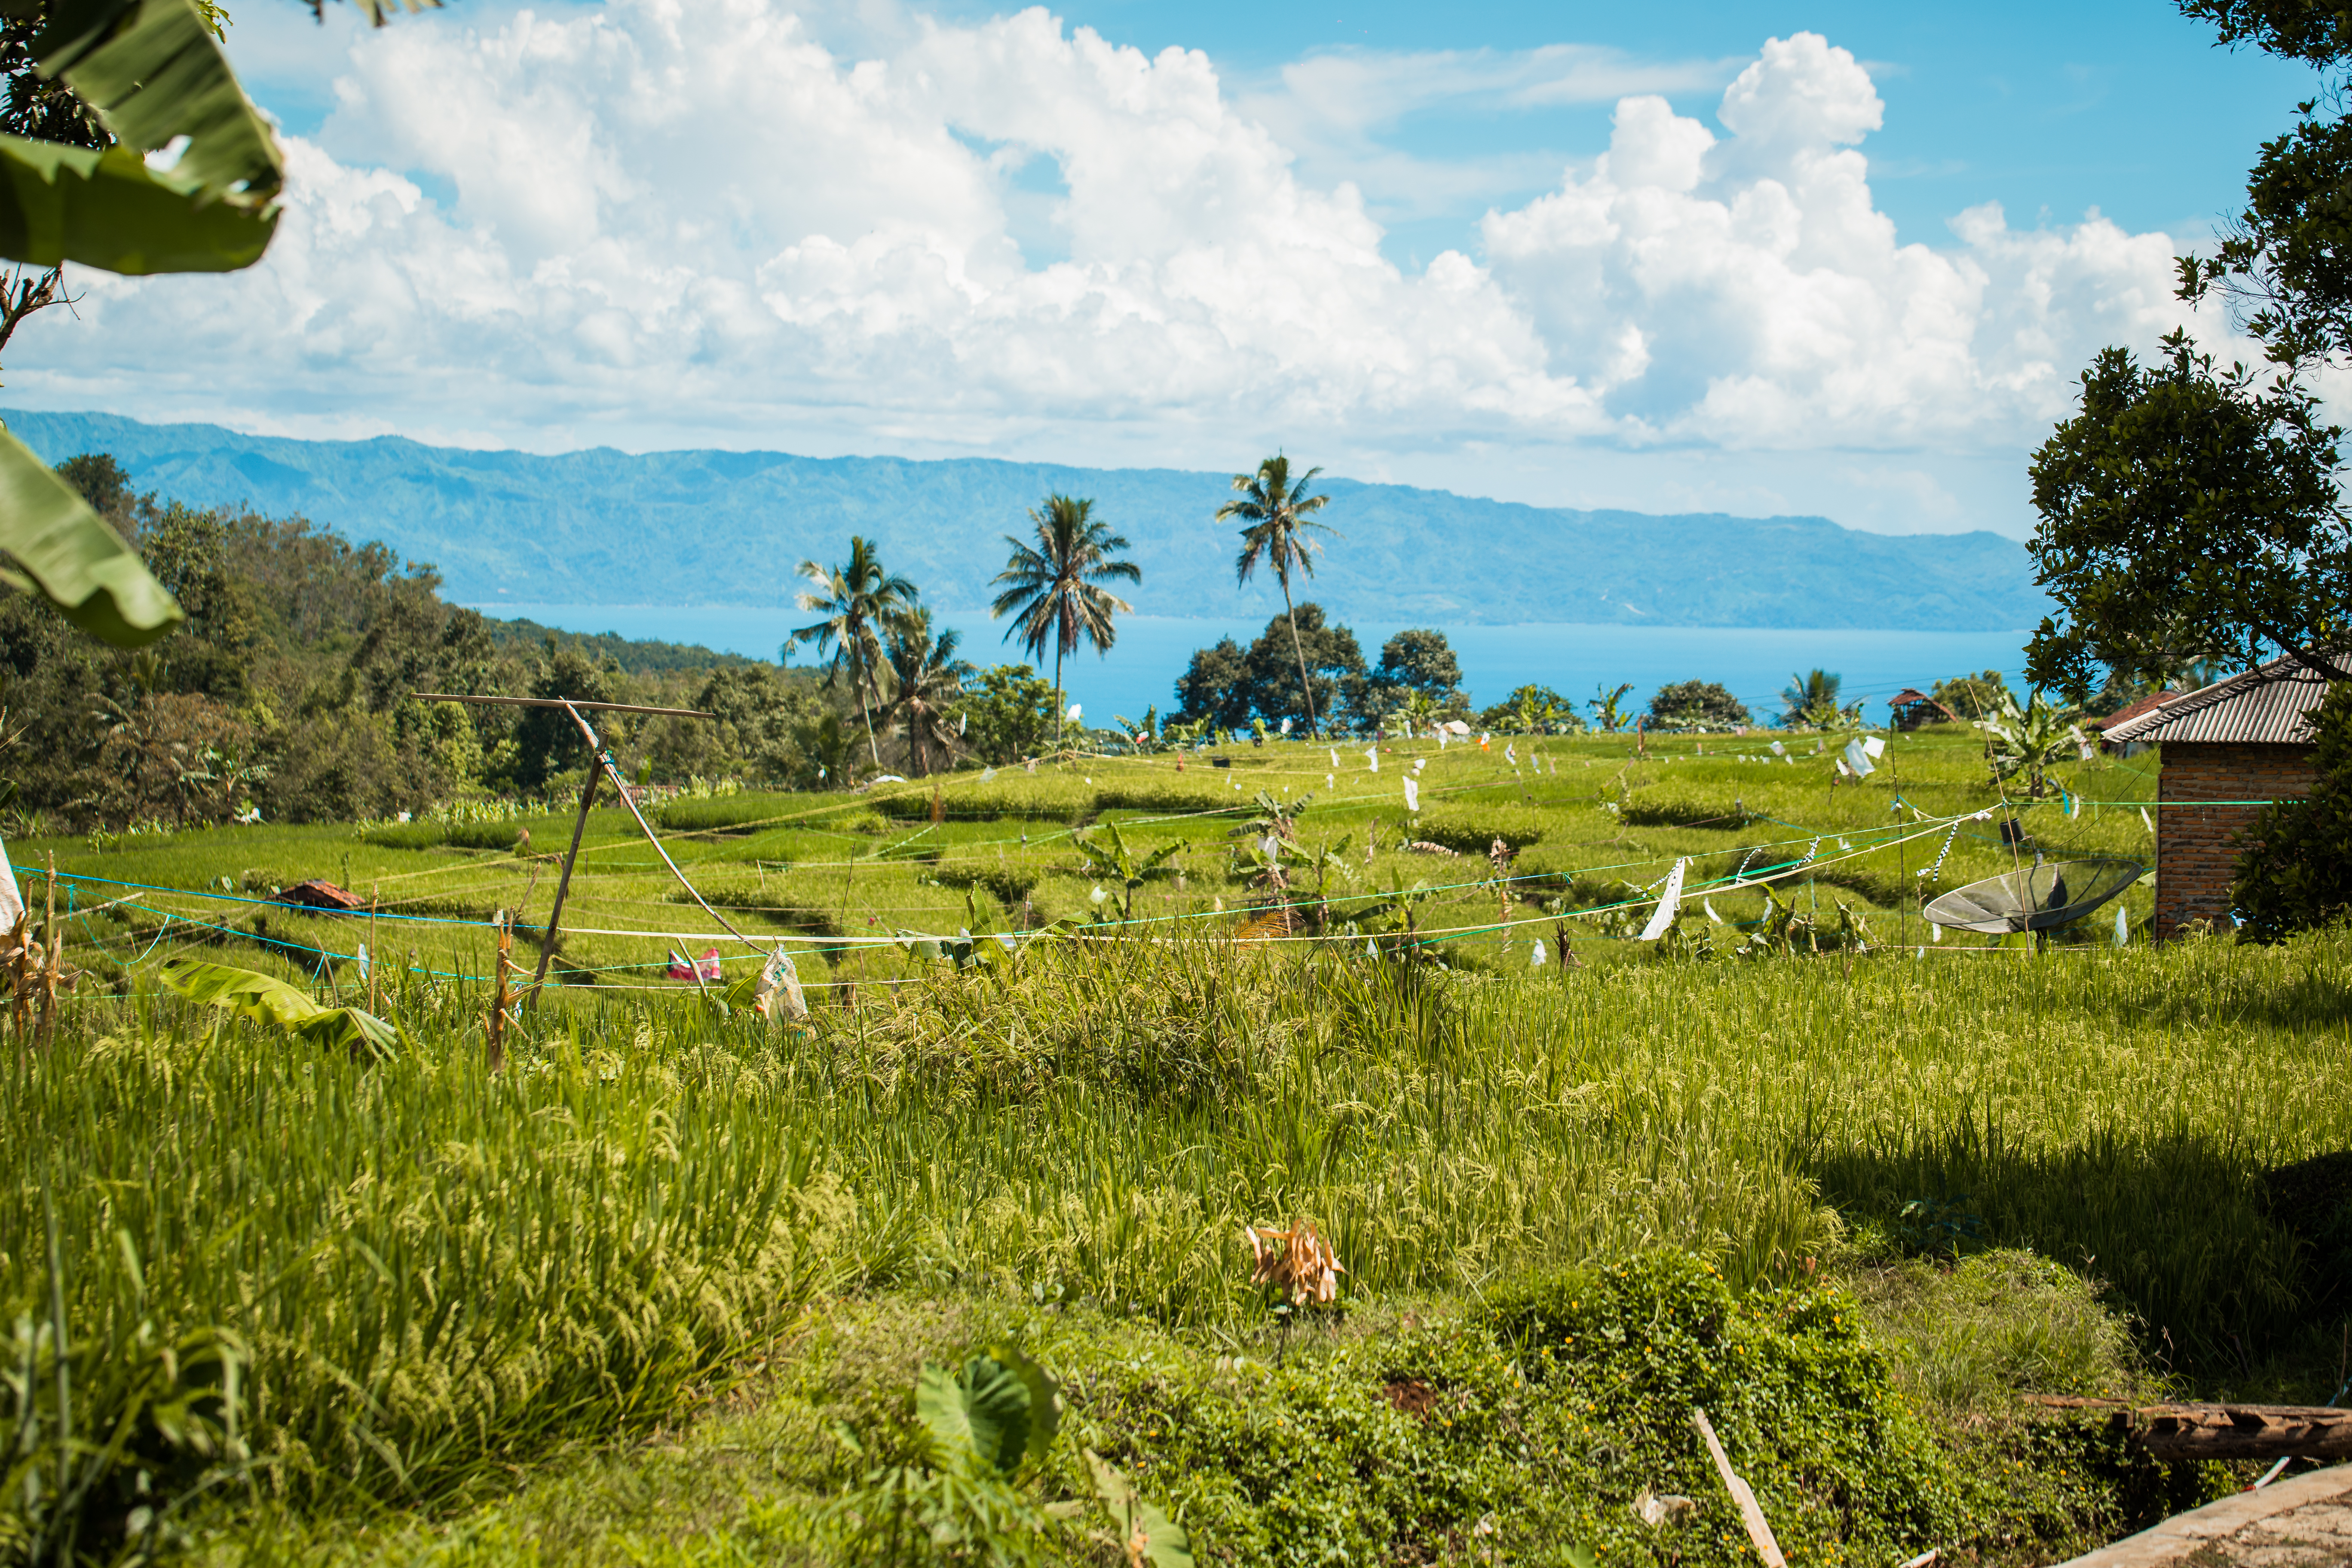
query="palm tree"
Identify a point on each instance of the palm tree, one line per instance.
(1278, 511)
(1055, 593)
(1811, 697)
(927, 678)
(861, 604)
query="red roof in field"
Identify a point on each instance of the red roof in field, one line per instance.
(1911, 696)
(2146, 704)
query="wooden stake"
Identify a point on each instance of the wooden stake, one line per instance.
(20, 978)
(563, 881)
(1750, 1513)
(53, 950)
(499, 995)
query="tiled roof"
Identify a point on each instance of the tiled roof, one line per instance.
(2271, 705)
(2131, 710)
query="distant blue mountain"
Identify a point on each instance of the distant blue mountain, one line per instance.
(603, 527)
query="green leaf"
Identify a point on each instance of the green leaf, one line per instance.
(1045, 1400)
(79, 564)
(110, 210)
(980, 1416)
(154, 72)
(1146, 1533)
(268, 1000)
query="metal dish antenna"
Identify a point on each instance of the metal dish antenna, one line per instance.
(2033, 897)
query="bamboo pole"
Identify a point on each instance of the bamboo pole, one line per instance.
(375, 953)
(563, 880)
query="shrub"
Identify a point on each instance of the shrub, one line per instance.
(1697, 704)
(1471, 828)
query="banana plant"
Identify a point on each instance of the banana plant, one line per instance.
(152, 76)
(2030, 739)
(1143, 735)
(1276, 816)
(267, 1000)
(1606, 710)
(1132, 864)
(975, 945)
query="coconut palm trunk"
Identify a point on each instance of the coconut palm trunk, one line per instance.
(1305, 687)
(1061, 714)
(866, 698)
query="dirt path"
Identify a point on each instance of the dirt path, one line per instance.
(2305, 1522)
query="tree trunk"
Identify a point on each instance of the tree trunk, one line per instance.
(1058, 709)
(1305, 688)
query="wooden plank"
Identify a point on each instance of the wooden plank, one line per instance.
(1751, 1513)
(2243, 1432)
(560, 702)
(2223, 1431)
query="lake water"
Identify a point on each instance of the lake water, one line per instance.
(1141, 668)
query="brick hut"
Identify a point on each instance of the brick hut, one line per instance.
(2244, 739)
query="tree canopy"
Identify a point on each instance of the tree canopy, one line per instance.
(2190, 511)
(2187, 511)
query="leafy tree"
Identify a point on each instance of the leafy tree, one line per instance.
(546, 740)
(1055, 591)
(1211, 689)
(758, 709)
(1974, 697)
(829, 750)
(2296, 870)
(2186, 513)
(1416, 661)
(1279, 514)
(2190, 512)
(927, 680)
(1007, 714)
(1328, 653)
(862, 604)
(1696, 703)
(2286, 262)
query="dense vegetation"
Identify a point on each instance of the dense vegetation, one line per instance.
(289, 690)
(1913, 1167)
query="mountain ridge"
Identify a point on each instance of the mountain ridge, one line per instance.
(604, 527)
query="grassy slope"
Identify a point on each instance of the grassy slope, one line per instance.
(650, 1193)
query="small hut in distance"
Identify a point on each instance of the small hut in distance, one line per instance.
(2228, 748)
(1914, 707)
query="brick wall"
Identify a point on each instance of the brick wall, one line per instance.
(2195, 862)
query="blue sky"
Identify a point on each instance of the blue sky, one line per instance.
(2048, 108)
(1834, 258)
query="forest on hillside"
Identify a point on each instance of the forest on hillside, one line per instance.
(289, 691)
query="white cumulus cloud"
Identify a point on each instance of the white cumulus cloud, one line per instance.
(658, 217)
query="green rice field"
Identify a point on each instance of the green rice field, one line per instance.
(654, 1290)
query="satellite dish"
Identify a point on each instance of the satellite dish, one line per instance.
(2034, 898)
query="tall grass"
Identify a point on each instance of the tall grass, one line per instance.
(438, 1270)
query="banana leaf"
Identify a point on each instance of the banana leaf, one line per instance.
(70, 555)
(153, 73)
(110, 210)
(267, 1000)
